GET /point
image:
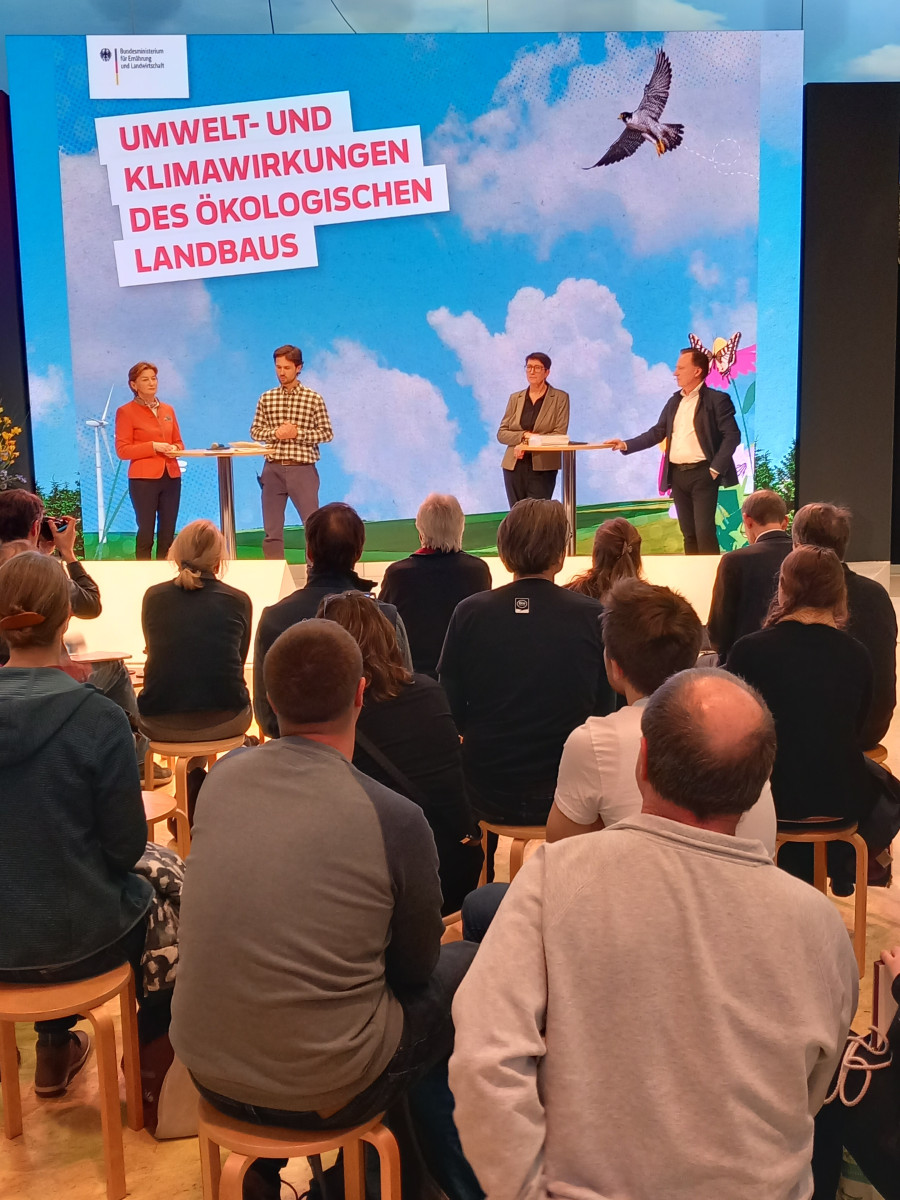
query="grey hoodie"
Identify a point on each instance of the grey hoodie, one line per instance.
(72, 821)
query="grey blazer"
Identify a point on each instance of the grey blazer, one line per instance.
(553, 417)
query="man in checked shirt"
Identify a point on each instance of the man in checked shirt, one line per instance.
(292, 420)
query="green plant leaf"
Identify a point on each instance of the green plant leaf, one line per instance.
(749, 398)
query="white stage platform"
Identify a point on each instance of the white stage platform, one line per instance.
(122, 586)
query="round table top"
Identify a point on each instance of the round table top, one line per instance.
(100, 656)
(237, 451)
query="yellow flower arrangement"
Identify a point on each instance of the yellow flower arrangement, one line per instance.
(8, 451)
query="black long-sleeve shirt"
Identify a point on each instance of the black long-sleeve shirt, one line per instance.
(197, 645)
(817, 682)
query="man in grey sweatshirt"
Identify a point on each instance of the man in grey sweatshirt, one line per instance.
(657, 1010)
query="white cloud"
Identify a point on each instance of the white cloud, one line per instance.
(518, 168)
(706, 274)
(880, 63)
(48, 395)
(399, 444)
(113, 327)
(614, 392)
(722, 318)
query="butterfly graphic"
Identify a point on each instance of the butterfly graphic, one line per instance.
(723, 355)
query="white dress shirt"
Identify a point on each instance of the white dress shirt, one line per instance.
(685, 447)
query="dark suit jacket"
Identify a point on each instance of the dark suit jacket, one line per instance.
(717, 432)
(745, 584)
(873, 622)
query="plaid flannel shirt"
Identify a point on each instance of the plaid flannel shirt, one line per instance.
(300, 406)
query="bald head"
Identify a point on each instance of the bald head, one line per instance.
(710, 743)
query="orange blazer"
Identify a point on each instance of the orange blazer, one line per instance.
(137, 428)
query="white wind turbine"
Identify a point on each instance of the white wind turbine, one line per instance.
(99, 425)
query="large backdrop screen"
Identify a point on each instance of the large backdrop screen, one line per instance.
(417, 213)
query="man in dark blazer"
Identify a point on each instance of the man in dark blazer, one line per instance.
(872, 619)
(747, 578)
(701, 435)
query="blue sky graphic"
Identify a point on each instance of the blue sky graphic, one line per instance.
(415, 328)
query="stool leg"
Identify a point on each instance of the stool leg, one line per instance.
(134, 1099)
(9, 1080)
(110, 1120)
(860, 899)
(210, 1165)
(354, 1170)
(389, 1160)
(820, 868)
(148, 770)
(516, 857)
(231, 1186)
(182, 825)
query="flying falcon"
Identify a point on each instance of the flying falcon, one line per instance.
(644, 125)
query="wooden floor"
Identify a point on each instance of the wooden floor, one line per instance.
(60, 1153)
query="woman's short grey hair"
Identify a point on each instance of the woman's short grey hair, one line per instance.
(440, 522)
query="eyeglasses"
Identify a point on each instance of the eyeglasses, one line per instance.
(535, 367)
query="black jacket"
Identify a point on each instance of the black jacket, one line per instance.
(746, 581)
(717, 432)
(300, 606)
(874, 623)
(426, 588)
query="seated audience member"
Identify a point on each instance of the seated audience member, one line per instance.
(406, 739)
(616, 555)
(197, 632)
(657, 1011)
(817, 682)
(335, 537)
(747, 577)
(871, 620)
(23, 525)
(337, 999)
(649, 633)
(72, 818)
(523, 665)
(427, 586)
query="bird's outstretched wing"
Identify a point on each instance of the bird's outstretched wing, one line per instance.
(622, 147)
(656, 92)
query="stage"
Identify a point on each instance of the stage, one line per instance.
(122, 586)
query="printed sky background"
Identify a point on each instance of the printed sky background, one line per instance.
(415, 329)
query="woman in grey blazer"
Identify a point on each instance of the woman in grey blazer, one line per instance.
(541, 409)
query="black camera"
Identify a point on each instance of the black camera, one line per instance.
(49, 524)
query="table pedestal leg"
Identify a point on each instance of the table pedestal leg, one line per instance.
(226, 504)
(568, 474)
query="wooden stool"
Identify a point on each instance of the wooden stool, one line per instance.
(878, 753)
(452, 928)
(521, 835)
(44, 1002)
(182, 753)
(249, 1142)
(158, 806)
(831, 831)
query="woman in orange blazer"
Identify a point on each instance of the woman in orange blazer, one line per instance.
(147, 434)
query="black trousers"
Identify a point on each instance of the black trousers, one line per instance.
(525, 483)
(155, 503)
(696, 496)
